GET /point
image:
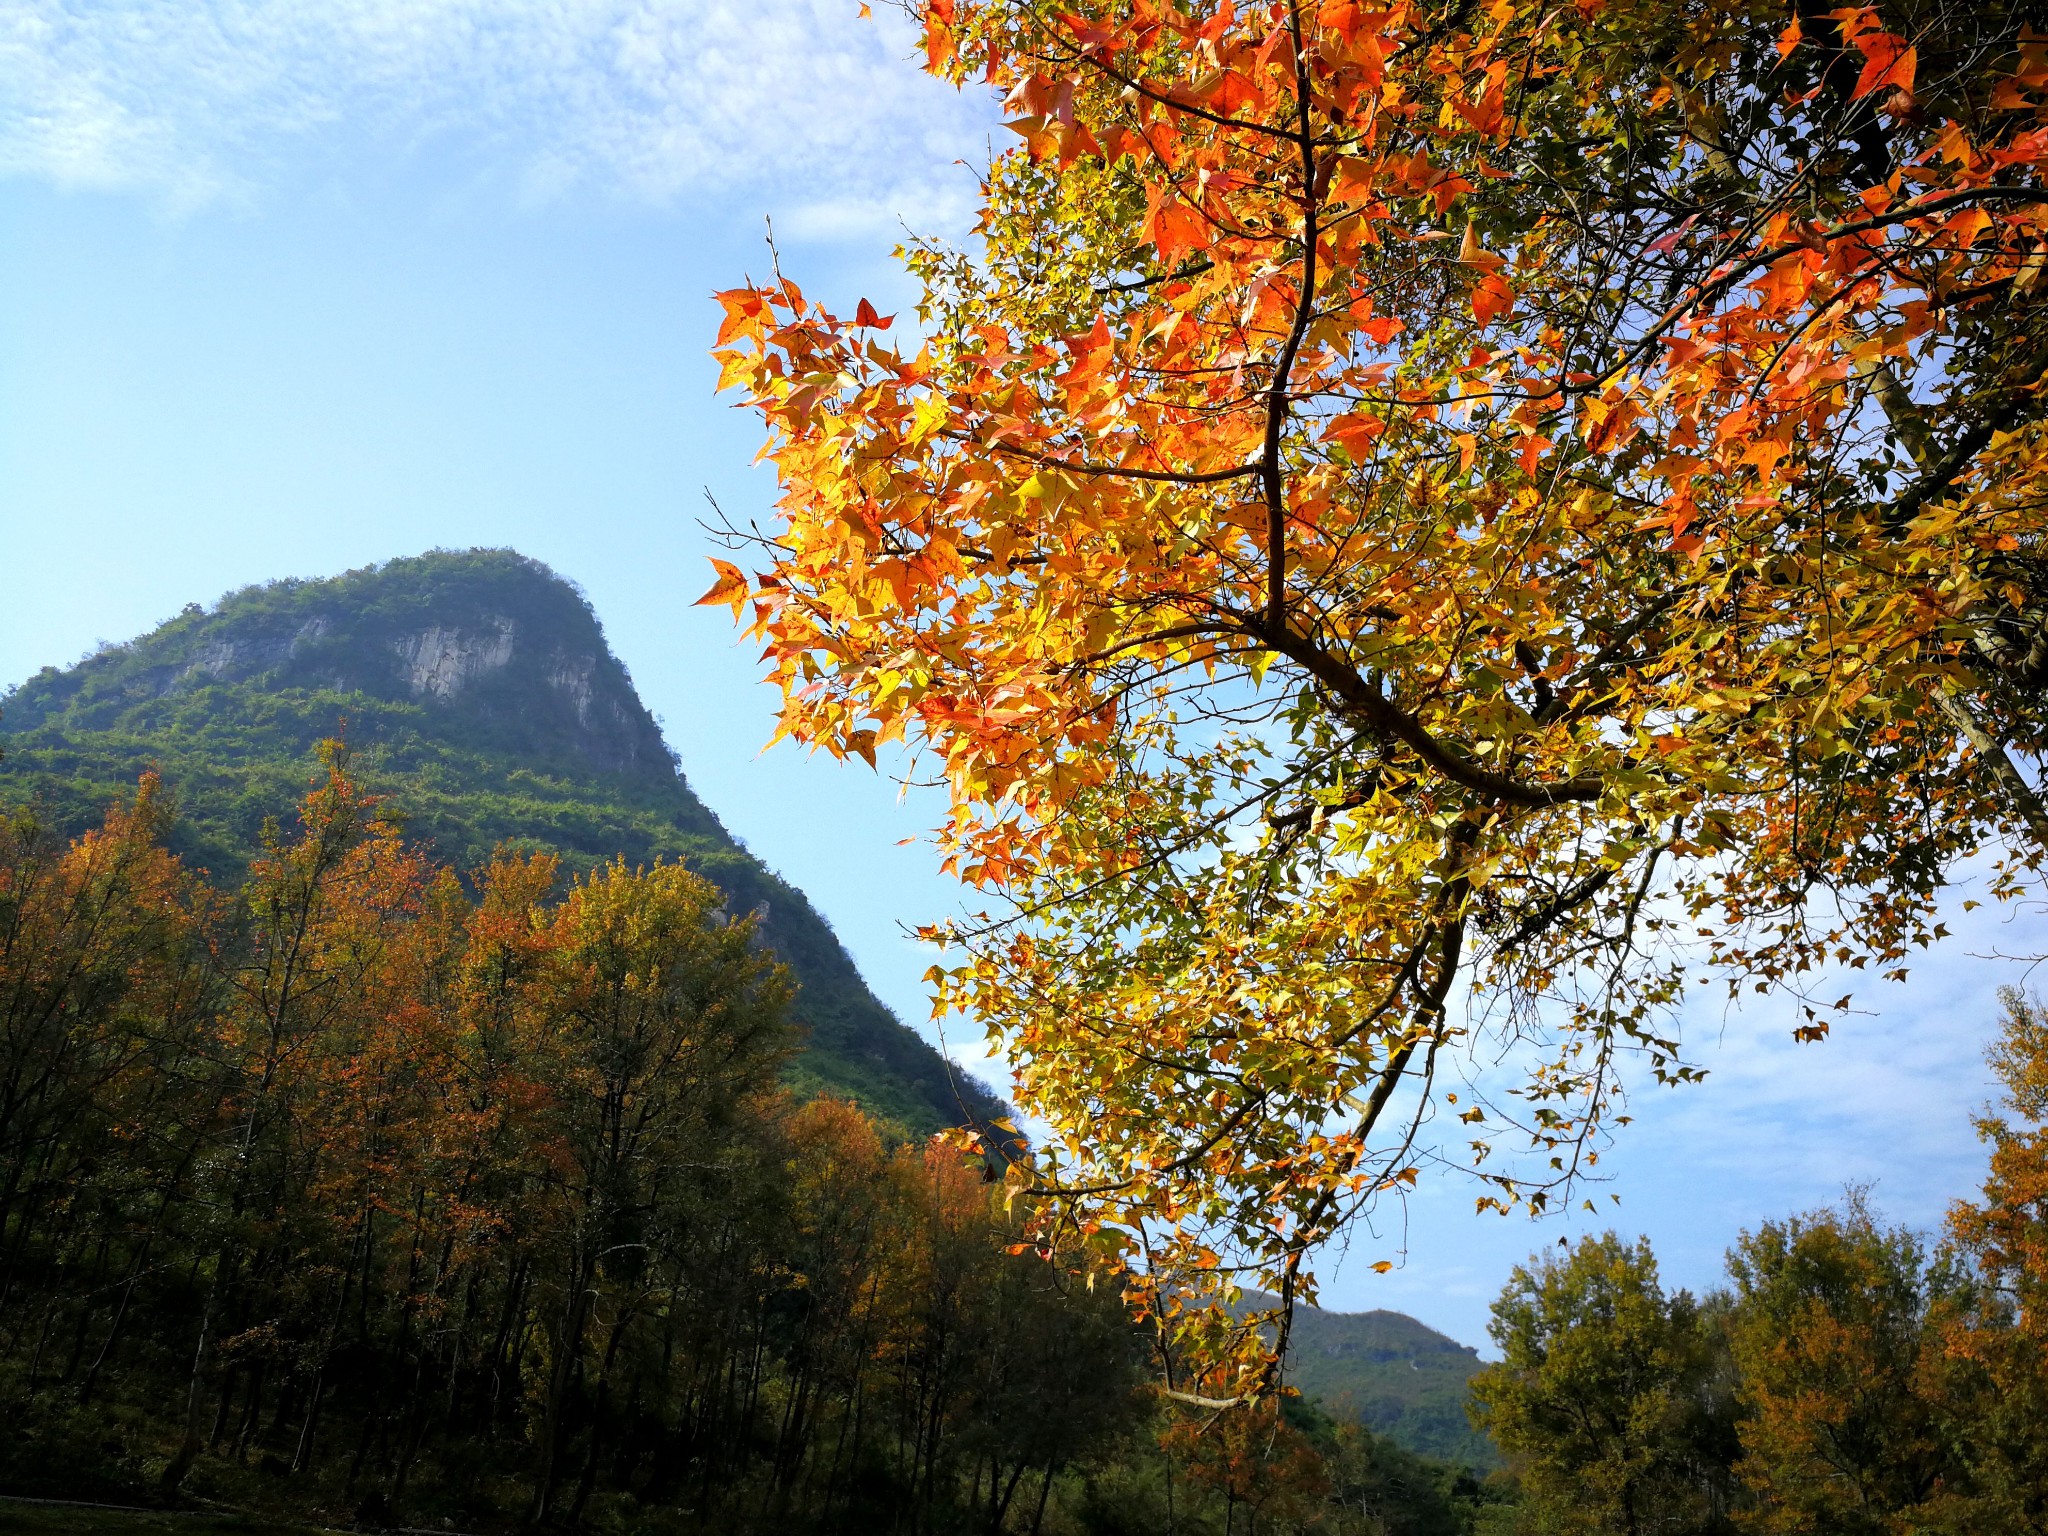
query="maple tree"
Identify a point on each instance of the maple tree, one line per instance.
(1421, 505)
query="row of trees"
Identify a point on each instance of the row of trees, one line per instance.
(482, 1197)
(1853, 1380)
(372, 1190)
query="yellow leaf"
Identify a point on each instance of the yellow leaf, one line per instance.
(731, 587)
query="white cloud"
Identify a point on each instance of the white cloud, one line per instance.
(1777, 1127)
(196, 100)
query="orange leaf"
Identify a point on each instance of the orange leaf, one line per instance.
(1173, 228)
(1486, 114)
(1887, 60)
(1341, 17)
(731, 587)
(1492, 298)
(1473, 254)
(938, 36)
(1354, 433)
(745, 314)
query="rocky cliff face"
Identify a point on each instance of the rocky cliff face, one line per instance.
(505, 642)
(442, 661)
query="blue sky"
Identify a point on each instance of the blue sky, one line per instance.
(290, 288)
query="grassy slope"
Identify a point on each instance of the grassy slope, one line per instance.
(26, 1518)
(228, 704)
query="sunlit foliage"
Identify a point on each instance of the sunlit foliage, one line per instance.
(1420, 528)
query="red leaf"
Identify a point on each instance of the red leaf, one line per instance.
(1887, 61)
(1665, 246)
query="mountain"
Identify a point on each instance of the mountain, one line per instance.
(1398, 1377)
(477, 691)
(1393, 1374)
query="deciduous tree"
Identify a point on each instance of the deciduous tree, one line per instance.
(1988, 1372)
(1829, 1334)
(1611, 1398)
(1422, 496)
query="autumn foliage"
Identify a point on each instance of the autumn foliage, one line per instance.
(378, 1190)
(1415, 497)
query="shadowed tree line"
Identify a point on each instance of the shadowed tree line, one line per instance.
(1854, 1380)
(376, 1191)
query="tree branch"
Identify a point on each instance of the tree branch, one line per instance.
(1988, 747)
(1388, 720)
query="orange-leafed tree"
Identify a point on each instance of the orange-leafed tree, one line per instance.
(1413, 496)
(97, 944)
(1829, 1338)
(1256, 1462)
(105, 1044)
(312, 963)
(2007, 1234)
(1990, 1373)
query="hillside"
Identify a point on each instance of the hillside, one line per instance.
(1393, 1374)
(478, 692)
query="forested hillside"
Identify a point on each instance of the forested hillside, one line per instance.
(477, 689)
(1395, 1375)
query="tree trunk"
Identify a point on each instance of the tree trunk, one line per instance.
(188, 1451)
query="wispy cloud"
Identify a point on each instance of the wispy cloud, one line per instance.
(1778, 1127)
(192, 101)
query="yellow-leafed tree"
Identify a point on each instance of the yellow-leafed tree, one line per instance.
(1417, 503)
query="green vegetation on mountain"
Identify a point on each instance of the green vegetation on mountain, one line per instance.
(1386, 1371)
(477, 691)
(1393, 1374)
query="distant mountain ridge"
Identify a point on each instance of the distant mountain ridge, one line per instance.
(1397, 1376)
(478, 692)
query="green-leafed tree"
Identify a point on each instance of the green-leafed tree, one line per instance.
(670, 1024)
(1610, 1396)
